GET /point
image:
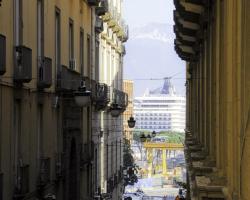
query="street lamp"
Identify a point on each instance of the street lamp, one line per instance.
(143, 138)
(153, 134)
(131, 122)
(148, 137)
(82, 96)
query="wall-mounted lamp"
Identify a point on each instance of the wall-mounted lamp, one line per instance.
(131, 122)
(82, 96)
(115, 110)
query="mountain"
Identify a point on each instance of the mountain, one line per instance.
(153, 31)
(151, 57)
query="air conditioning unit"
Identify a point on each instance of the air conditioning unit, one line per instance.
(2, 54)
(44, 72)
(98, 25)
(23, 66)
(72, 64)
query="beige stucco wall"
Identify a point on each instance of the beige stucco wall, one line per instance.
(81, 14)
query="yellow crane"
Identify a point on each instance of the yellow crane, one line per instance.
(163, 146)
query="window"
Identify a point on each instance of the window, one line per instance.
(88, 56)
(18, 12)
(82, 51)
(40, 28)
(97, 60)
(71, 44)
(57, 42)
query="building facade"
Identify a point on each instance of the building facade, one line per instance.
(128, 87)
(49, 55)
(109, 121)
(213, 38)
(160, 110)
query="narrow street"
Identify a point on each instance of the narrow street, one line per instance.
(124, 99)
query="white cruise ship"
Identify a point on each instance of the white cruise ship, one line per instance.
(160, 109)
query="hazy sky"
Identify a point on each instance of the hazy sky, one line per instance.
(138, 13)
(141, 12)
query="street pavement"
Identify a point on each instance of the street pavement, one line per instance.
(153, 190)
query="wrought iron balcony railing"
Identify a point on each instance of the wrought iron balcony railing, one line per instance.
(120, 98)
(102, 8)
(101, 96)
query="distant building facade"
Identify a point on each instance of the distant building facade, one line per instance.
(160, 110)
(128, 87)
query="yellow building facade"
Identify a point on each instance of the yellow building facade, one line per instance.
(213, 38)
(49, 145)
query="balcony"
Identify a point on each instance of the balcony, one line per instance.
(98, 25)
(103, 8)
(93, 2)
(44, 72)
(22, 185)
(101, 96)
(68, 80)
(44, 172)
(123, 32)
(120, 98)
(23, 66)
(2, 54)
